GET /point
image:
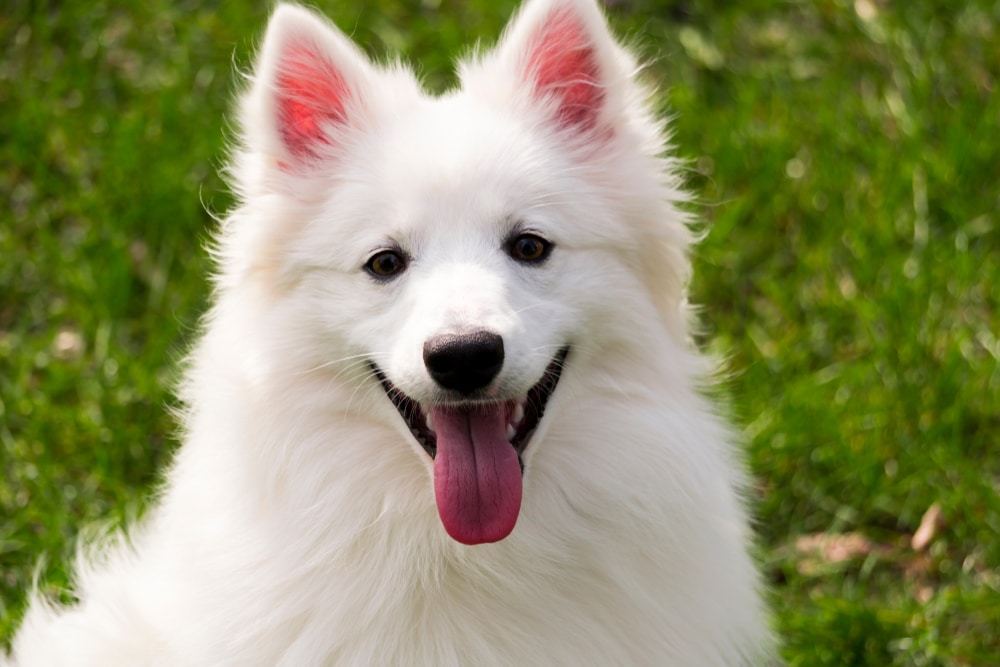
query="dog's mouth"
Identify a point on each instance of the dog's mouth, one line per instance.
(477, 448)
(522, 415)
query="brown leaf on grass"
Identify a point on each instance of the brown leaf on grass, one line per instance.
(68, 345)
(834, 547)
(819, 551)
(923, 594)
(929, 525)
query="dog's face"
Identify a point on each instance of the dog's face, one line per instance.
(465, 237)
(457, 251)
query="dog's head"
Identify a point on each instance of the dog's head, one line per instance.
(461, 252)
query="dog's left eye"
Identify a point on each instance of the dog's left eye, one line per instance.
(529, 248)
(386, 264)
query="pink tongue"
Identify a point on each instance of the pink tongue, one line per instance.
(477, 476)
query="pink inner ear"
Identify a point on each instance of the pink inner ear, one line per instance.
(562, 62)
(310, 94)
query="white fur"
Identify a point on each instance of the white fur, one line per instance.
(298, 525)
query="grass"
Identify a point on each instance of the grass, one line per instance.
(845, 158)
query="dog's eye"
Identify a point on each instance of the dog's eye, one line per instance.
(386, 264)
(529, 248)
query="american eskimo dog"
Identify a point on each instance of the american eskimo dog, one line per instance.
(445, 410)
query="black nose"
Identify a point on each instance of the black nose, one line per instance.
(464, 362)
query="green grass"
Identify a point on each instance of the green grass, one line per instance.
(845, 155)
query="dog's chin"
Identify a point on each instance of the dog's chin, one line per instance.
(521, 414)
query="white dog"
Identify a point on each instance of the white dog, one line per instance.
(445, 410)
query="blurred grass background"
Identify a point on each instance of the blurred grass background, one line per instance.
(845, 156)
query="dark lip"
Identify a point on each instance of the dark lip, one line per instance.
(535, 403)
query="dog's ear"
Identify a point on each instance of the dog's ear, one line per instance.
(562, 54)
(310, 85)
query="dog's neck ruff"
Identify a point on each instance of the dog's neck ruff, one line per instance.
(477, 447)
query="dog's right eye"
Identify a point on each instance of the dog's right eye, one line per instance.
(386, 264)
(529, 248)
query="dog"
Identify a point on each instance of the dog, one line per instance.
(444, 409)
